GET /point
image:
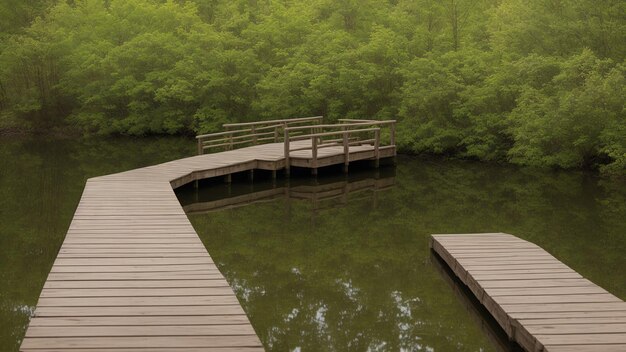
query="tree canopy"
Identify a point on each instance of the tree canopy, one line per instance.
(533, 82)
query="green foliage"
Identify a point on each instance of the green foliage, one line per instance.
(527, 81)
(572, 118)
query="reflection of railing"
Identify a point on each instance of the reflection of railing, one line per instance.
(250, 133)
(314, 193)
(350, 132)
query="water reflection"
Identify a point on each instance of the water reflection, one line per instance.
(313, 281)
(324, 192)
(357, 274)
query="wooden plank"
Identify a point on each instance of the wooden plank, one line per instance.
(577, 314)
(586, 348)
(153, 330)
(130, 268)
(534, 291)
(536, 283)
(224, 289)
(131, 261)
(134, 284)
(154, 349)
(137, 311)
(141, 342)
(573, 320)
(589, 328)
(226, 298)
(583, 339)
(137, 276)
(565, 297)
(567, 307)
(142, 320)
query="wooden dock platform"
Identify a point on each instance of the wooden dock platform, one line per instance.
(132, 274)
(539, 302)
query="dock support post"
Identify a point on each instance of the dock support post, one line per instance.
(273, 174)
(228, 178)
(251, 175)
(200, 146)
(287, 151)
(346, 150)
(377, 148)
(314, 155)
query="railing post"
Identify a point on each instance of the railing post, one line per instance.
(392, 133)
(230, 138)
(285, 125)
(200, 146)
(314, 154)
(254, 138)
(276, 134)
(376, 147)
(286, 142)
(346, 150)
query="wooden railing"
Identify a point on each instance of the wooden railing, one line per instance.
(250, 133)
(349, 132)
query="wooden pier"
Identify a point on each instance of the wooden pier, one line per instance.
(539, 302)
(132, 274)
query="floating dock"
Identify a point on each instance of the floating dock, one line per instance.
(132, 274)
(539, 302)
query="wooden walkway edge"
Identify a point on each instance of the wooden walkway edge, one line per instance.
(132, 273)
(541, 303)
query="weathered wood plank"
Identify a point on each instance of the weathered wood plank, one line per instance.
(143, 320)
(102, 284)
(223, 290)
(226, 298)
(137, 311)
(151, 330)
(140, 342)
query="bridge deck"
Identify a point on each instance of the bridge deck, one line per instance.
(539, 302)
(132, 273)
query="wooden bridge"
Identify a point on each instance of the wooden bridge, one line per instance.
(539, 302)
(132, 273)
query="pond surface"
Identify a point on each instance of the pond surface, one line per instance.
(329, 264)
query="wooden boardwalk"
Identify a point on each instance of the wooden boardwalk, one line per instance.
(132, 274)
(540, 302)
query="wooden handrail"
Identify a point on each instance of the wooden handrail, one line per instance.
(317, 142)
(391, 123)
(202, 136)
(269, 131)
(342, 125)
(250, 135)
(332, 133)
(294, 120)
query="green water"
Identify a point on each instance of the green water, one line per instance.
(349, 273)
(355, 273)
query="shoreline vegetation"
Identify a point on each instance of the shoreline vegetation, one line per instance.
(528, 82)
